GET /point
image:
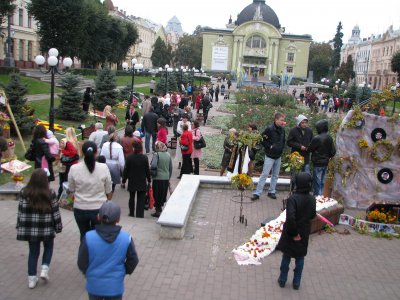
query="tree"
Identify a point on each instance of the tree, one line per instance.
(345, 72)
(70, 103)
(16, 91)
(395, 64)
(106, 84)
(162, 54)
(320, 59)
(189, 51)
(172, 83)
(6, 8)
(337, 46)
(63, 24)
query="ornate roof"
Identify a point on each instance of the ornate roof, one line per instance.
(258, 10)
(108, 4)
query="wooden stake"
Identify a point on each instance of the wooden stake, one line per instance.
(16, 126)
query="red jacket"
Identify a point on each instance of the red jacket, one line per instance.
(162, 135)
(198, 101)
(187, 140)
(70, 151)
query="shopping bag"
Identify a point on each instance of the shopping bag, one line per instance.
(151, 197)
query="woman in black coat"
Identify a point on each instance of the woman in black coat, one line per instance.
(41, 149)
(300, 209)
(137, 172)
(132, 116)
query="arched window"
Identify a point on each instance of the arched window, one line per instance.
(256, 41)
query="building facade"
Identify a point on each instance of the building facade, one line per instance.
(256, 44)
(25, 41)
(372, 57)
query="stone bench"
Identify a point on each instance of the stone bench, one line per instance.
(10, 191)
(175, 215)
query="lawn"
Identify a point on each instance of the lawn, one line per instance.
(126, 80)
(35, 86)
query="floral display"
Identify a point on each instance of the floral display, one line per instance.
(4, 117)
(250, 139)
(357, 119)
(122, 104)
(295, 162)
(363, 144)
(387, 149)
(242, 181)
(346, 167)
(264, 240)
(382, 216)
(46, 124)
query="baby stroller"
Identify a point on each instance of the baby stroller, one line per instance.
(166, 114)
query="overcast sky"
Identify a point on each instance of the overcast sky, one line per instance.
(316, 17)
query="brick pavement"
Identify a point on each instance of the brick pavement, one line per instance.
(201, 265)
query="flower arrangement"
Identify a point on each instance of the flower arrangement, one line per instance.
(363, 144)
(388, 150)
(250, 139)
(4, 117)
(46, 124)
(357, 119)
(242, 181)
(122, 104)
(350, 167)
(382, 216)
(295, 162)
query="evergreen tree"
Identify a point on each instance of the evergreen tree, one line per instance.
(320, 59)
(345, 72)
(162, 54)
(337, 46)
(189, 51)
(352, 92)
(395, 64)
(6, 7)
(172, 83)
(125, 93)
(16, 91)
(70, 103)
(106, 84)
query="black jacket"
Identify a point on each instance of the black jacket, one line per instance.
(109, 233)
(41, 149)
(132, 119)
(184, 102)
(321, 147)
(136, 171)
(300, 210)
(273, 141)
(297, 138)
(149, 122)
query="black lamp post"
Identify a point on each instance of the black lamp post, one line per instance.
(166, 69)
(9, 60)
(135, 66)
(183, 70)
(52, 62)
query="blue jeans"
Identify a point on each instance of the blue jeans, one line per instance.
(306, 168)
(34, 252)
(86, 220)
(147, 141)
(285, 262)
(318, 180)
(93, 297)
(275, 165)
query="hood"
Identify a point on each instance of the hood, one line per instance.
(108, 232)
(322, 126)
(303, 182)
(300, 119)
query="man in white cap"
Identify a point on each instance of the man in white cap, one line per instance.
(97, 135)
(299, 139)
(106, 255)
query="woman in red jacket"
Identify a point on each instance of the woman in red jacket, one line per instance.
(198, 102)
(186, 143)
(162, 132)
(69, 157)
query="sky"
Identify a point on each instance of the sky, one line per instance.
(316, 17)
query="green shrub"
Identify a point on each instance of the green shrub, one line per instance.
(8, 70)
(212, 154)
(84, 71)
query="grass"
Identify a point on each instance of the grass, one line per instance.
(389, 105)
(212, 154)
(35, 86)
(222, 122)
(126, 80)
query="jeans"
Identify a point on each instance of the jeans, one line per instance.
(318, 180)
(34, 252)
(86, 220)
(306, 168)
(147, 141)
(275, 165)
(299, 261)
(93, 297)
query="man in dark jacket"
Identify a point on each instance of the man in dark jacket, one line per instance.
(149, 125)
(322, 150)
(106, 255)
(300, 209)
(299, 139)
(205, 102)
(273, 142)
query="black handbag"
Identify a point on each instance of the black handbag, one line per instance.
(30, 153)
(154, 165)
(69, 159)
(201, 143)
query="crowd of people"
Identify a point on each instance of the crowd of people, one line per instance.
(319, 101)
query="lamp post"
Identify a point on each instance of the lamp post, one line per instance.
(183, 70)
(201, 75)
(166, 69)
(135, 66)
(9, 60)
(52, 61)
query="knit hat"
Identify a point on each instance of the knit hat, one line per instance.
(137, 133)
(300, 119)
(109, 212)
(49, 134)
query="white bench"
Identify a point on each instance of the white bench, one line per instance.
(174, 218)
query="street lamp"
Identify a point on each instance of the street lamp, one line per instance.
(135, 66)
(52, 61)
(201, 75)
(183, 70)
(166, 69)
(9, 60)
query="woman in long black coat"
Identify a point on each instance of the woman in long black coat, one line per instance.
(41, 149)
(137, 172)
(300, 210)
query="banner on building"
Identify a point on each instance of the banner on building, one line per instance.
(219, 58)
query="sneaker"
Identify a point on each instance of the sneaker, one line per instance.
(156, 215)
(45, 272)
(272, 195)
(296, 286)
(255, 197)
(32, 281)
(281, 283)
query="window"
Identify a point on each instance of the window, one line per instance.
(290, 56)
(29, 51)
(21, 50)
(29, 21)
(21, 17)
(289, 69)
(256, 41)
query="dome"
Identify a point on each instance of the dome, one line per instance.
(109, 4)
(258, 10)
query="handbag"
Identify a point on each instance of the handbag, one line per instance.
(201, 143)
(154, 165)
(30, 153)
(69, 159)
(151, 197)
(184, 148)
